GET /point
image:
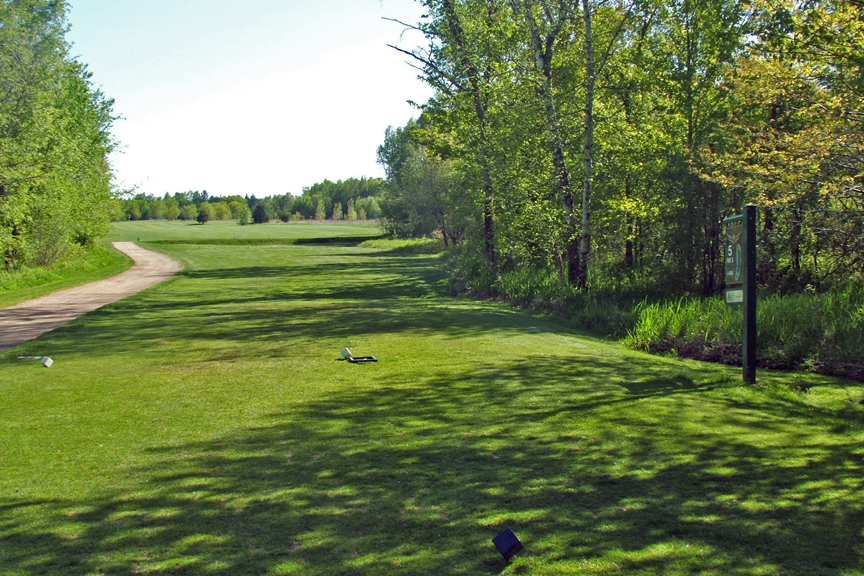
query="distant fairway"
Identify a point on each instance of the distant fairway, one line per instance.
(227, 231)
(205, 426)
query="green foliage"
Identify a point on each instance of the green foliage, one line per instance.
(245, 216)
(336, 214)
(171, 209)
(237, 209)
(185, 206)
(359, 191)
(205, 213)
(351, 211)
(423, 191)
(796, 144)
(470, 271)
(318, 200)
(701, 107)
(260, 214)
(368, 208)
(55, 181)
(187, 212)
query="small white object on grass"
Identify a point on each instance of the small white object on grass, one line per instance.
(346, 353)
(45, 360)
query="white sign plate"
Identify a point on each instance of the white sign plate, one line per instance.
(735, 296)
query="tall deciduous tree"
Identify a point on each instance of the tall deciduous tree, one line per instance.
(545, 22)
(459, 62)
(55, 181)
(797, 140)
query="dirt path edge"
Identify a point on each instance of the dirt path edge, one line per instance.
(28, 320)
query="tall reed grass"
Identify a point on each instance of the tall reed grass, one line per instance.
(818, 332)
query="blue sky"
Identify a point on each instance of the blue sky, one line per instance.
(255, 97)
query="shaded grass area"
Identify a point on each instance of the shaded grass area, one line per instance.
(820, 333)
(206, 427)
(266, 241)
(408, 246)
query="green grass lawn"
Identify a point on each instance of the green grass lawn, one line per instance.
(205, 426)
(228, 232)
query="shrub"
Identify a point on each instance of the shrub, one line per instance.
(205, 213)
(245, 217)
(260, 215)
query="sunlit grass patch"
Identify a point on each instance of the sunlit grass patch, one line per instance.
(407, 246)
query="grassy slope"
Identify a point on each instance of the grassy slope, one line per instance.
(205, 427)
(100, 266)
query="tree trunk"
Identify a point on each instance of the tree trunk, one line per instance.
(544, 50)
(581, 276)
(488, 210)
(795, 243)
(631, 227)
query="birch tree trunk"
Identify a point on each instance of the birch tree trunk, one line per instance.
(581, 278)
(543, 47)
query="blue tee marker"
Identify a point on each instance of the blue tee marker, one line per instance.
(508, 543)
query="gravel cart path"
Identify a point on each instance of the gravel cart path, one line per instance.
(33, 318)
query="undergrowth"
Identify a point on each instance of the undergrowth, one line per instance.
(604, 313)
(79, 262)
(823, 333)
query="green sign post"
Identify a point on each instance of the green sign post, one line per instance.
(740, 259)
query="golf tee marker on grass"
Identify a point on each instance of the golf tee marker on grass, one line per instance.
(346, 355)
(44, 360)
(508, 543)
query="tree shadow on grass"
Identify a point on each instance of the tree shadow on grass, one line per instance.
(277, 324)
(417, 478)
(344, 241)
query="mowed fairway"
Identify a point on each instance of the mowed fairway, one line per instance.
(205, 427)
